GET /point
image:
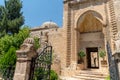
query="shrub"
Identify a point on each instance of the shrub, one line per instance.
(53, 75)
(7, 63)
(8, 46)
(36, 44)
(102, 54)
(39, 72)
(81, 54)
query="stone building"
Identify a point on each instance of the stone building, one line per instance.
(87, 25)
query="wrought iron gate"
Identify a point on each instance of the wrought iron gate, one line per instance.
(112, 66)
(7, 72)
(41, 65)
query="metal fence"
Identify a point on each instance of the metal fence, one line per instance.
(41, 65)
(7, 72)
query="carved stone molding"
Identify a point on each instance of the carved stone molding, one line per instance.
(78, 2)
(113, 19)
(117, 41)
(26, 49)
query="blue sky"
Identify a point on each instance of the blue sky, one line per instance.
(38, 11)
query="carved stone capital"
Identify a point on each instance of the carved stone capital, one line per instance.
(24, 56)
(27, 49)
(116, 55)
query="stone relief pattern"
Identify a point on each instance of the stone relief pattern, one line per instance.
(117, 41)
(68, 56)
(113, 18)
(117, 9)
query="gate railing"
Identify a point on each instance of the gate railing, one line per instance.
(41, 65)
(7, 72)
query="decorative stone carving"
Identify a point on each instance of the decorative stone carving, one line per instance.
(29, 41)
(26, 48)
(24, 57)
(117, 42)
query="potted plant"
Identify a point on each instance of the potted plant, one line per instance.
(102, 54)
(81, 55)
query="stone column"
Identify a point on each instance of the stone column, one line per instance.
(117, 61)
(24, 57)
(116, 54)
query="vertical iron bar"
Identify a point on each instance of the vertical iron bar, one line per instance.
(43, 63)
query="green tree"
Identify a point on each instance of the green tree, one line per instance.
(8, 46)
(3, 20)
(11, 16)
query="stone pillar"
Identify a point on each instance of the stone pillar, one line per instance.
(116, 54)
(117, 61)
(24, 57)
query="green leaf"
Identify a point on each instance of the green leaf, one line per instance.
(8, 46)
(102, 53)
(81, 54)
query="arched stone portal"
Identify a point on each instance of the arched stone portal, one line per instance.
(90, 38)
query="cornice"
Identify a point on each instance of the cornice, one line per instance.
(65, 1)
(77, 2)
(38, 28)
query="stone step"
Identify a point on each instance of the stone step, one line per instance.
(87, 78)
(92, 72)
(90, 75)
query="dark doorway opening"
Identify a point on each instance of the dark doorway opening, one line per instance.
(92, 57)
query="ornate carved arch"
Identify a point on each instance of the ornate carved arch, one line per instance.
(96, 14)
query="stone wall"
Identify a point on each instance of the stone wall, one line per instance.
(72, 12)
(95, 39)
(56, 39)
(90, 40)
(65, 40)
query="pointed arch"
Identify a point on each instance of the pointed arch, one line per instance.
(90, 21)
(79, 17)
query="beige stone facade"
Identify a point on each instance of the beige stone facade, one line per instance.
(87, 25)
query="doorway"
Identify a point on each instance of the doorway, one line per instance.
(92, 58)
